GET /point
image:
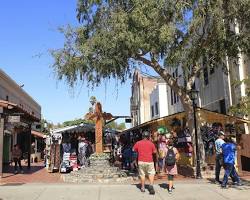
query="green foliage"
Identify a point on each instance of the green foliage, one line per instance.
(76, 122)
(114, 35)
(243, 107)
(116, 126)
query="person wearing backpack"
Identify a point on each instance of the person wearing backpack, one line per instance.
(172, 155)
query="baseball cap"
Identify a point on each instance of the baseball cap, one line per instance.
(221, 133)
(145, 134)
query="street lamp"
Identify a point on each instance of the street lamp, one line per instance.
(193, 94)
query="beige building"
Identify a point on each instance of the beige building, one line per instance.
(142, 86)
(18, 112)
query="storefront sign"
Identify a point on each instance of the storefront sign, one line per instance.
(14, 119)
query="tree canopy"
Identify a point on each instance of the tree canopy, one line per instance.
(115, 34)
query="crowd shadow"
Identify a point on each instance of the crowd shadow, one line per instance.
(245, 186)
(164, 185)
(138, 186)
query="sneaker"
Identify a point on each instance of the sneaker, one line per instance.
(151, 190)
(16, 172)
(142, 189)
(239, 184)
(218, 182)
(223, 187)
(170, 191)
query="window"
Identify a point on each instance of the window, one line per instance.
(174, 96)
(156, 108)
(172, 100)
(205, 72)
(152, 111)
(223, 109)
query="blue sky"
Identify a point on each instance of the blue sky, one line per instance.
(28, 29)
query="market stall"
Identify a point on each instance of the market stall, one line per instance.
(209, 123)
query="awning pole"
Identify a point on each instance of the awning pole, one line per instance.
(1, 145)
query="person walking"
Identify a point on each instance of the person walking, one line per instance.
(161, 151)
(172, 156)
(16, 156)
(229, 152)
(219, 157)
(145, 150)
(82, 149)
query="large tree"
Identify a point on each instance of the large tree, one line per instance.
(243, 107)
(114, 35)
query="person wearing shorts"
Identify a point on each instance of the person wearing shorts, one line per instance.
(145, 150)
(171, 170)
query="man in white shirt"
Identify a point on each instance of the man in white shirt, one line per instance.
(219, 157)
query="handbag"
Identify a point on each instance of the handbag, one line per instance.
(162, 153)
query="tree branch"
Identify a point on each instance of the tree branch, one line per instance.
(170, 80)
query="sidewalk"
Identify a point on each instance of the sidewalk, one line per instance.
(188, 190)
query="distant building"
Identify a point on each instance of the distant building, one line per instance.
(216, 92)
(142, 86)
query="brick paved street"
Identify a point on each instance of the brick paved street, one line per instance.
(37, 174)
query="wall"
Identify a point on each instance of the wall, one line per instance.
(159, 95)
(142, 87)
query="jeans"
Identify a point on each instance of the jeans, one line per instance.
(17, 161)
(218, 165)
(230, 171)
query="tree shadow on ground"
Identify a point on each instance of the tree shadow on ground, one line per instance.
(8, 170)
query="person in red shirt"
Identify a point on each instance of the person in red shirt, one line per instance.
(145, 150)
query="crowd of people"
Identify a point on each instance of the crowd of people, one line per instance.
(158, 152)
(78, 146)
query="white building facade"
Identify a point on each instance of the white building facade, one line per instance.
(159, 100)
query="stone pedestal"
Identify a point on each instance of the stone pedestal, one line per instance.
(99, 171)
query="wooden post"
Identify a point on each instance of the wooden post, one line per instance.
(1, 145)
(98, 136)
(29, 146)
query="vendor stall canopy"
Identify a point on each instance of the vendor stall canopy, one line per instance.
(84, 127)
(203, 117)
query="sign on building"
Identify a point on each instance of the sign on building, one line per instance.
(14, 119)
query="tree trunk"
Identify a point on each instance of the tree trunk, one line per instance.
(188, 108)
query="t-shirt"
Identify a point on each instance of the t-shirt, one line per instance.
(229, 150)
(218, 143)
(145, 150)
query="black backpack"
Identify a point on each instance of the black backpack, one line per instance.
(170, 159)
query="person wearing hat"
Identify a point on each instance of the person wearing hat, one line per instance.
(145, 150)
(229, 157)
(219, 157)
